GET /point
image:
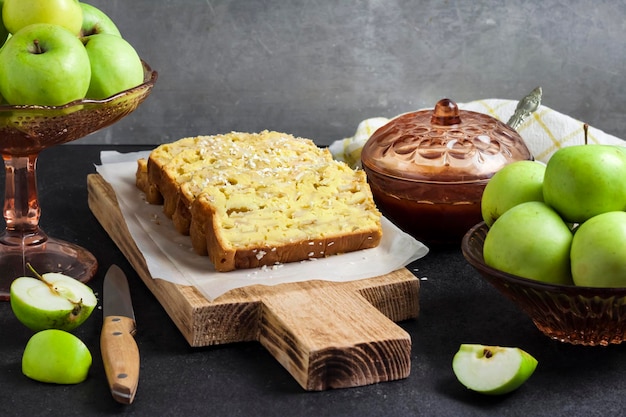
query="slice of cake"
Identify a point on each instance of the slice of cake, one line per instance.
(250, 200)
(200, 160)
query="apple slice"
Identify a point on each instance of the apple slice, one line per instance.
(492, 370)
(56, 356)
(51, 301)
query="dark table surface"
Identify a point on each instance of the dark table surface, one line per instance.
(243, 379)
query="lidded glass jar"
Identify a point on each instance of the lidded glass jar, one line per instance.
(428, 169)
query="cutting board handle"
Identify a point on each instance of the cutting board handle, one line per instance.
(328, 337)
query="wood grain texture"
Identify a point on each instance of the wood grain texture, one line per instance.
(326, 334)
(120, 356)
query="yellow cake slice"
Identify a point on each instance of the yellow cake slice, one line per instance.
(250, 200)
(199, 160)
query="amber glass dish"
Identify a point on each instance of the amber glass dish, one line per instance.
(24, 132)
(428, 169)
(568, 313)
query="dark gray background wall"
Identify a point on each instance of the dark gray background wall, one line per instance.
(315, 68)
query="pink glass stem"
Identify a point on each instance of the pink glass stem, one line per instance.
(21, 204)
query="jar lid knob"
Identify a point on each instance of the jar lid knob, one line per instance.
(446, 113)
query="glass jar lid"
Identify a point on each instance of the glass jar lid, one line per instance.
(443, 144)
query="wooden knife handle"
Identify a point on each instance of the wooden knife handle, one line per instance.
(120, 355)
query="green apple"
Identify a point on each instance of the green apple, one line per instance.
(51, 301)
(4, 33)
(56, 356)
(44, 64)
(115, 65)
(582, 181)
(17, 14)
(532, 241)
(599, 251)
(513, 184)
(492, 370)
(96, 21)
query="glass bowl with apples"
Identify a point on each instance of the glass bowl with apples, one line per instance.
(65, 72)
(428, 169)
(553, 241)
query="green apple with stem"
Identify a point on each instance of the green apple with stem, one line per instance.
(582, 181)
(45, 65)
(515, 183)
(96, 21)
(56, 356)
(17, 14)
(51, 301)
(115, 65)
(532, 241)
(598, 251)
(492, 370)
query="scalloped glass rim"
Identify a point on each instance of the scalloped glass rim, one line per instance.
(28, 129)
(150, 77)
(472, 248)
(479, 181)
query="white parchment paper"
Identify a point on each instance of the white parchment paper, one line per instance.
(169, 255)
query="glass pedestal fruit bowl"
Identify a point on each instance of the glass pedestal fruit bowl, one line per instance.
(24, 132)
(567, 313)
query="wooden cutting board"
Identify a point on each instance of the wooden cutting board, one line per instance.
(326, 334)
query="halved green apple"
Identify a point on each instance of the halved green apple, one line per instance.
(51, 301)
(56, 356)
(492, 370)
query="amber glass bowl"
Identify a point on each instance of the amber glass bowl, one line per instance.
(568, 313)
(428, 169)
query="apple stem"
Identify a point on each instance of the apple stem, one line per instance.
(34, 271)
(38, 49)
(586, 130)
(41, 278)
(487, 353)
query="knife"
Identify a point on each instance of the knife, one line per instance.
(120, 353)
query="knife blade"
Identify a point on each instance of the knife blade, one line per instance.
(120, 353)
